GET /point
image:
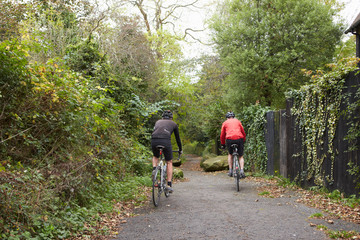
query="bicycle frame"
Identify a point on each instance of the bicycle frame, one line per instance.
(236, 166)
(163, 173)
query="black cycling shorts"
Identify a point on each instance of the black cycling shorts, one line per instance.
(239, 142)
(167, 150)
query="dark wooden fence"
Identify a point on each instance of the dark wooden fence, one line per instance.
(284, 143)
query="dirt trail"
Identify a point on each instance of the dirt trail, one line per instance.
(207, 206)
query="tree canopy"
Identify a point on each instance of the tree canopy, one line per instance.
(265, 44)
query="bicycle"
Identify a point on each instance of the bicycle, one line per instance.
(236, 166)
(159, 178)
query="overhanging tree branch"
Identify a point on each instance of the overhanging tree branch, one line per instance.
(187, 33)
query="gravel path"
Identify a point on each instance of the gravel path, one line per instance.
(207, 206)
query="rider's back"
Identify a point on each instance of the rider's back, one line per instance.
(164, 128)
(232, 129)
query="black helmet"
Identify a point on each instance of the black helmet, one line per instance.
(167, 114)
(230, 114)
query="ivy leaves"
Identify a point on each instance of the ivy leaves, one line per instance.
(317, 108)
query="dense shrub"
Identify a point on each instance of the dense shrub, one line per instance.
(65, 153)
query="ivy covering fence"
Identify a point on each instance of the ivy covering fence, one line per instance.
(323, 128)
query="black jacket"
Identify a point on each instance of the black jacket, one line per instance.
(163, 130)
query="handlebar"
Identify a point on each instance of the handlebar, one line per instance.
(233, 146)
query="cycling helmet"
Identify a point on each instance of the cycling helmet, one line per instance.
(230, 114)
(167, 114)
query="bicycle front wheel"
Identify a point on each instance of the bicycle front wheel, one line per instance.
(156, 187)
(237, 172)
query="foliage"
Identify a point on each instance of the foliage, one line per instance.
(205, 109)
(316, 215)
(130, 58)
(10, 17)
(253, 119)
(209, 113)
(178, 174)
(354, 170)
(338, 234)
(285, 182)
(346, 49)
(264, 45)
(63, 146)
(86, 58)
(341, 234)
(353, 133)
(211, 107)
(316, 107)
(351, 201)
(264, 193)
(14, 76)
(322, 227)
(174, 82)
(50, 27)
(194, 148)
(214, 117)
(141, 116)
(30, 208)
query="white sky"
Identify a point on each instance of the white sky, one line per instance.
(352, 9)
(196, 20)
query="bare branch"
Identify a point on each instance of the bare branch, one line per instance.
(173, 7)
(171, 23)
(2, 112)
(17, 134)
(97, 25)
(144, 14)
(187, 33)
(101, 17)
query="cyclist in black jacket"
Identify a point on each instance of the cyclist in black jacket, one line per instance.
(162, 136)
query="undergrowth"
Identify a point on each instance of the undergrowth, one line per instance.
(30, 209)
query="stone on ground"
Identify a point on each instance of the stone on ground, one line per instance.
(218, 163)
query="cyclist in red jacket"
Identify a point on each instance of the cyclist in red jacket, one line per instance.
(232, 132)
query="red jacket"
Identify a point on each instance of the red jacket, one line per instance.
(232, 129)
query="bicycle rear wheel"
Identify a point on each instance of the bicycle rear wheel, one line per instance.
(236, 170)
(156, 187)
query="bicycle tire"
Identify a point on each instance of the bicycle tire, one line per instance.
(166, 192)
(164, 174)
(156, 188)
(237, 172)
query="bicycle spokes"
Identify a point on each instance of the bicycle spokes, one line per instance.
(159, 183)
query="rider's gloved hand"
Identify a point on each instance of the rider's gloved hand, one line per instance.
(222, 146)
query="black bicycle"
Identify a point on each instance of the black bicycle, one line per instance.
(159, 178)
(236, 166)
